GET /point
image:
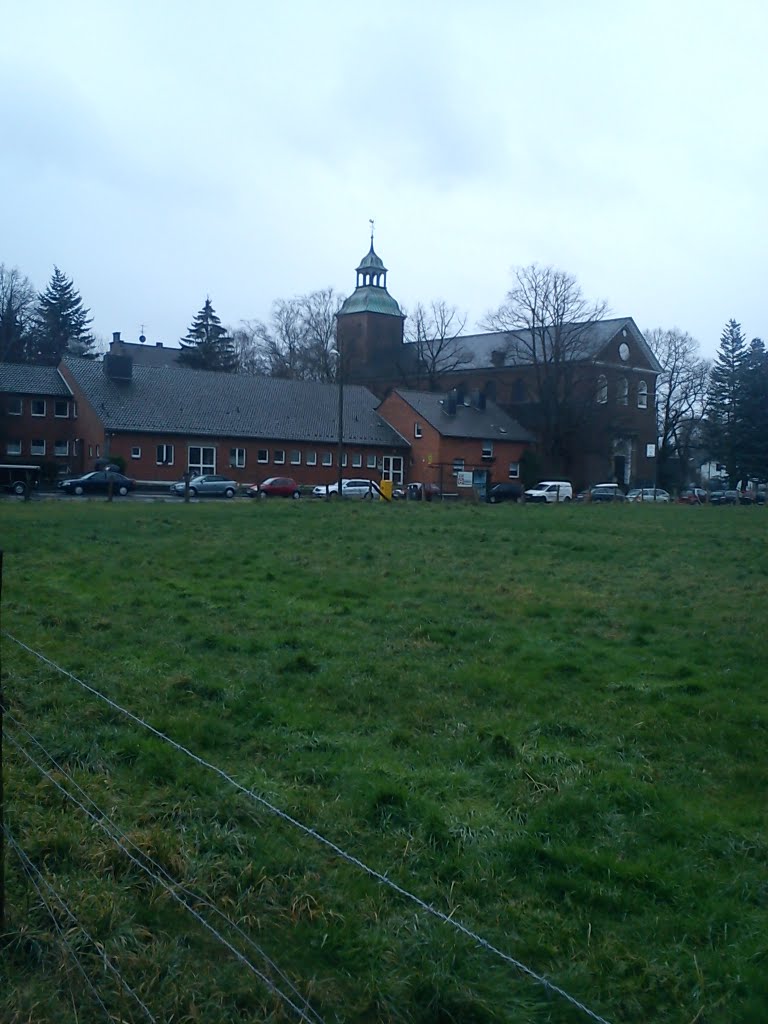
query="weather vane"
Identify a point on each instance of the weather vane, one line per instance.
(371, 223)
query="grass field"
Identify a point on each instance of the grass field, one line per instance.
(549, 723)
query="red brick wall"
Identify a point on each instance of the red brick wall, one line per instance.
(27, 428)
(432, 455)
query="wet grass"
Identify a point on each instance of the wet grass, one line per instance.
(549, 723)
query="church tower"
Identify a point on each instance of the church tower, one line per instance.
(369, 329)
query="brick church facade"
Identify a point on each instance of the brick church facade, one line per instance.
(611, 373)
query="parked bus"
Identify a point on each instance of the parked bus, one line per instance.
(17, 479)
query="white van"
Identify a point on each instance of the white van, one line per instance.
(550, 490)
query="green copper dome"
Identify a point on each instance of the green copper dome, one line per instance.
(372, 262)
(371, 295)
(370, 299)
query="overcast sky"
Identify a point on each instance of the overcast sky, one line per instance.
(161, 151)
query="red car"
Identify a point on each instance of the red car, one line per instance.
(275, 487)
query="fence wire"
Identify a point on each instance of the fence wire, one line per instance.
(448, 920)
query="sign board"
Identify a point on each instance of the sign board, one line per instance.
(463, 479)
(650, 451)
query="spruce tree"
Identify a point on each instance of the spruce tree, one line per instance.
(61, 322)
(207, 346)
(751, 425)
(723, 399)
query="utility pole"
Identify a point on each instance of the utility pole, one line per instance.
(2, 791)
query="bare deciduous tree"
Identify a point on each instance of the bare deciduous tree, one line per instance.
(436, 331)
(550, 320)
(681, 390)
(297, 343)
(17, 308)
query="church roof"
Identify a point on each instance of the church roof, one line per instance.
(370, 299)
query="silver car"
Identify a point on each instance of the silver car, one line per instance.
(648, 494)
(357, 488)
(207, 484)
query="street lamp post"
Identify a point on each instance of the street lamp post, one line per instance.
(340, 441)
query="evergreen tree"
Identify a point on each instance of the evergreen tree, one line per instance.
(207, 346)
(723, 399)
(61, 322)
(751, 426)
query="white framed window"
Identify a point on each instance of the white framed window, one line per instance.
(262, 455)
(202, 459)
(13, 447)
(311, 458)
(327, 458)
(514, 471)
(38, 406)
(279, 456)
(642, 395)
(417, 432)
(344, 459)
(357, 461)
(487, 452)
(623, 393)
(237, 457)
(165, 455)
(295, 457)
(602, 390)
(370, 462)
(135, 452)
(61, 409)
(61, 448)
(37, 447)
(14, 407)
(90, 451)
(458, 466)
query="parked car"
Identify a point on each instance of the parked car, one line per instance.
(693, 496)
(208, 484)
(417, 491)
(98, 482)
(506, 492)
(550, 491)
(729, 497)
(648, 494)
(607, 492)
(275, 487)
(357, 488)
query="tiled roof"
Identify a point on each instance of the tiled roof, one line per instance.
(177, 400)
(21, 379)
(589, 341)
(468, 421)
(146, 355)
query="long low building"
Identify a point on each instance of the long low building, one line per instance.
(165, 420)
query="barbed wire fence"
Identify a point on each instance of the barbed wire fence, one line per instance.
(274, 980)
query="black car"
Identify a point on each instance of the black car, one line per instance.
(98, 482)
(724, 498)
(505, 492)
(607, 492)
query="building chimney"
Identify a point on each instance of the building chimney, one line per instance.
(118, 367)
(115, 337)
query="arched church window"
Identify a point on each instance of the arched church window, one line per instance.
(623, 395)
(602, 390)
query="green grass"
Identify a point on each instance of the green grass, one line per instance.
(548, 722)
